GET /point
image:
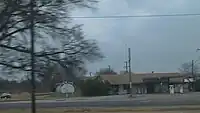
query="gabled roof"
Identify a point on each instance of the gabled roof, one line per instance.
(136, 77)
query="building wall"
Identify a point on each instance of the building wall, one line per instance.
(161, 88)
(122, 90)
(158, 88)
(136, 89)
(186, 87)
(165, 88)
(177, 88)
(139, 89)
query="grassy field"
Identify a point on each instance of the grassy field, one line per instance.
(109, 110)
(65, 111)
(27, 96)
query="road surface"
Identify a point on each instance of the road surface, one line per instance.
(153, 100)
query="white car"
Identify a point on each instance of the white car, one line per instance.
(5, 96)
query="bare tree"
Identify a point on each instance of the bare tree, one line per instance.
(186, 68)
(58, 41)
(190, 70)
(105, 71)
(56, 74)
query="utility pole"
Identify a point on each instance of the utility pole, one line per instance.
(192, 68)
(32, 35)
(126, 66)
(130, 78)
(193, 75)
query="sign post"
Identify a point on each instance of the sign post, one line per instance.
(67, 89)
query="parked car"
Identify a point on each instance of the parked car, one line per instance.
(5, 96)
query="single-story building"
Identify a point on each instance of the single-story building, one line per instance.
(143, 83)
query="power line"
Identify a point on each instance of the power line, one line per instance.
(135, 16)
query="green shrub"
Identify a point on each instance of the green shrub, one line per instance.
(94, 87)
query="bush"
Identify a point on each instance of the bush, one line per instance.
(94, 87)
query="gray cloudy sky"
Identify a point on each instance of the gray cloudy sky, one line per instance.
(158, 44)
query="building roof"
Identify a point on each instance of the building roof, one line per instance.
(137, 77)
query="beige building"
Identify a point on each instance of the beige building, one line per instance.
(143, 83)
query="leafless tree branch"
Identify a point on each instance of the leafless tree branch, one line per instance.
(58, 41)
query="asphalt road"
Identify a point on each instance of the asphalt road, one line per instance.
(137, 102)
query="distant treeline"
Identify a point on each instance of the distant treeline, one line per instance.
(17, 87)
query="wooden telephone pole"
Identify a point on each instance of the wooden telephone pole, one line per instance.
(32, 35)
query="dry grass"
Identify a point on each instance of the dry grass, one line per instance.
(63, 111)
(21, 96)
(26, 96)
(108, 110)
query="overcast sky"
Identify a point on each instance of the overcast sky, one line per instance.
(158, 44)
